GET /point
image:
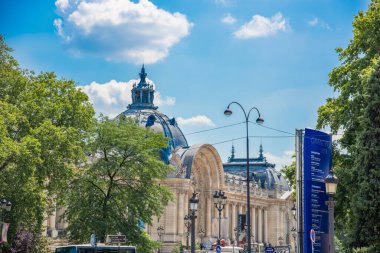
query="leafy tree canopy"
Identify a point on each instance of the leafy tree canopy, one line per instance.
(118, 189)
(42, 125)
(355, 111)
(366, 201)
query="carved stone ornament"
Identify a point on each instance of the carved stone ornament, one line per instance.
(175, 162)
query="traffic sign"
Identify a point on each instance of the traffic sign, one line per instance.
(269, 249)
(116, 239)
(218, 249)
(312, 235)
(208, 245)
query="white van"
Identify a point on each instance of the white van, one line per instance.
(86, 248)
(231, 249)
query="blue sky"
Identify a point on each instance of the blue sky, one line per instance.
(200, 54)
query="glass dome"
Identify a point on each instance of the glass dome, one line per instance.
(142, 108)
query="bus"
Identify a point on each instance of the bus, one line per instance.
(98, 249)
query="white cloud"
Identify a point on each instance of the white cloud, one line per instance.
(195, 121)
(313, 22)
(62, 5)
(120, 30)
(112, 98)
(58, 25)
(316, 22)
(261, 26)
(222, 2)
(280, 161)
(228, 19)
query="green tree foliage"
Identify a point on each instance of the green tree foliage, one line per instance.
(119, 188)
(289, 172)
(366, 208)
(42, 124)
(355, 161)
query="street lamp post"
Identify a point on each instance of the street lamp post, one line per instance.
(259, 120)
(219, 202)
(331, 182)
(193, 208)
(245, 230)
(187, 225)
(160, 231)
(202, 234)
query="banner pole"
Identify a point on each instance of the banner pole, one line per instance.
(299, 188)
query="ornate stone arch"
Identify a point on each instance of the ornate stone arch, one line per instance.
(204, 168)
(203, 164)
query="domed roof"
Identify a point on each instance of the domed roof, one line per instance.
(263, 172)
(143, 109)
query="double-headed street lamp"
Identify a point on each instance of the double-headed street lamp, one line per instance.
(259, 120)
(331, 182)
(193, 208)
(219, 201)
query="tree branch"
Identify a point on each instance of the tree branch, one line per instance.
(5, 163)
(97, 187)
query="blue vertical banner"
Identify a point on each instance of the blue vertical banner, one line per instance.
(317, 158)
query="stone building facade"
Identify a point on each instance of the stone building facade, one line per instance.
(271, 219)
(199, 168)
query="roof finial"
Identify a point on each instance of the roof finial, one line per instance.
(142, 75)
(261, 156)
(142, 93)
(232, 154)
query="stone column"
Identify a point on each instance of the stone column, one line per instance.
(260, 229)
(208, 219)
(226, 211)
(266, 225)
(52, 220)
(181, 213)
(186, 203)
(253, 222)
(227, 216)
(282, 222)
(170, 222)
(233, 216)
